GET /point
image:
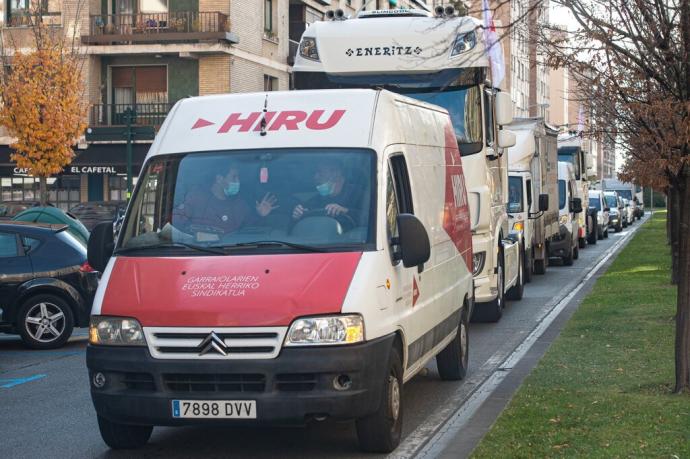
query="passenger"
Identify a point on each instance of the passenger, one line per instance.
(221, 209)
(335, 197)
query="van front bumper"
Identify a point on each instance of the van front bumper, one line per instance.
(293, 388)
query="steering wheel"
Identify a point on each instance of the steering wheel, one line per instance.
(345, 220)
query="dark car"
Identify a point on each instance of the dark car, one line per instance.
(46, 284)
(95, 212)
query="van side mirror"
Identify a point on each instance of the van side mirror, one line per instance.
(543, 202)
(506, 138)
(101, 245)
(415, 248)
(576, 205)
(504, 108)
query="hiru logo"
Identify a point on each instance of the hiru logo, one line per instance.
(384, 51)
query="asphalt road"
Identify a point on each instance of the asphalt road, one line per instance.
(46, 411)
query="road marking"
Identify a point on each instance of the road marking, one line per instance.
(445, 424)
(11, 382)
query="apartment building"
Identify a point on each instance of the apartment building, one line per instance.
(141, 57)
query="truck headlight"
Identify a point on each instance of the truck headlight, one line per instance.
(325, 330)
(116, 331)
(564, 219)
(308, 49)
(478, 262)
(463, 43)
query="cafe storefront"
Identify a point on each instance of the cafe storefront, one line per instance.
(98, 173)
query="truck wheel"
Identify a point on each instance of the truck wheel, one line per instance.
(493, 310)
(380, 432)
(123, 436)
(452, 361)
(539, 266)
(45, 322)
(516, 291)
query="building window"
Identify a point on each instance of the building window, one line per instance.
(154, 6)
(142, 90)
(270, 83)
(268, 15)
(64, 191)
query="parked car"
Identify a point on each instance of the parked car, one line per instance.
(46, 284)
(9, 209)
(95, 212)
(598, 202)
(615, 210)
(55, 216)
(565, 244)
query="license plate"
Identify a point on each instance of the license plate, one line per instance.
(214, 409)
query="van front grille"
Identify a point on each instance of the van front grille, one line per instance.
(214, 382)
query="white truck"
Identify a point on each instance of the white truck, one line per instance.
(629, 191)
(441, 60)
(574, 149)
(533, 190)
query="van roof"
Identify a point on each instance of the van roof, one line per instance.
(324, 118)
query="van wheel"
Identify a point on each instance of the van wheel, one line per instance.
(581, 242)
(380, 432)
(529, 267)
(540, 266)
(516, 291)
(568, 260)
(493, 310)
(606, 233)
(453, 360)
(592, 238)
(576, 253)
(123, 436)
(45, 322)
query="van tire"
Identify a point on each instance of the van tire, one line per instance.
(592, 238)
(123, 436)
(452, 361)
(581, 242)
(45, 307)
(568, 260)
(493, 310)
(576, 253)
(529, 267)
(380, 432)
(516, 291)
(540, 266)
(606, 233)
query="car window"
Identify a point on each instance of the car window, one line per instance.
(30, 242)
(8, 245)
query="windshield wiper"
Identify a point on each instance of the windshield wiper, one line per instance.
(257, 244)
(173, 245)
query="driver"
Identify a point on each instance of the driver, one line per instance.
(221, 208)
(335, 197)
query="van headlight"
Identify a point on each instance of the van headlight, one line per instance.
(463, 43)
(325, 330)
(308, 49)
(116, 331)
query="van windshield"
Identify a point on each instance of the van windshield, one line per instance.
(268, 200)
(595, 203)
(611, 200)
(625, 194)
(514, 194)
(561, 194)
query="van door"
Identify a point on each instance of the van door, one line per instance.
(413, 291)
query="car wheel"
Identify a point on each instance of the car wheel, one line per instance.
(380, 432)
(493, 310)
(453, 360)
(45, 322)
(123, 436)
(516, 291)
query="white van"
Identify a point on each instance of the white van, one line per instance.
(565, 244)
(286, 257)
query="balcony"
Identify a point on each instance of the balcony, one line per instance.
(112, 115)
(176, 27)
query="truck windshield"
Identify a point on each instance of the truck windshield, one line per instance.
(456, 90)
(515, 194)
(595, 203)
(237, 201)
(571, 155)
(561, 194)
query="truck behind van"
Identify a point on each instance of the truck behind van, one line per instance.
(286, 257)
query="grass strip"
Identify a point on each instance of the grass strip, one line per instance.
(603, 389)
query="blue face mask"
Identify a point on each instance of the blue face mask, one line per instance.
(232, 189)
(325, 189)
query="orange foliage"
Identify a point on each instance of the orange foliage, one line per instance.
(42, 107)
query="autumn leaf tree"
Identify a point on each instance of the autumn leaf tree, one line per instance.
(632, 63)
(41, 103)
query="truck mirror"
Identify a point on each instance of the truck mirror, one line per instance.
(100, 247)
(413, 240)
(504, 109)
(543, 202)
(576, 205)
(506, 138)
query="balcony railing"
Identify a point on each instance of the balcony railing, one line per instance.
(180, 26)
(102, 115)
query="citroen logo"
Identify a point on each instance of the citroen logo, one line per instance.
(213, 343)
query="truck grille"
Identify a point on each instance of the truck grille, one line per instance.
(236, 343)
